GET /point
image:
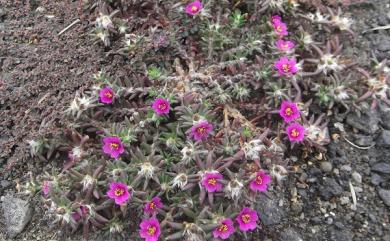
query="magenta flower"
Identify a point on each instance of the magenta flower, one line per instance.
(119, 192)
(150, 229)
(224, 230)
(113, 146)
(45, 188)
(247, 219)
(201, 130)
(260, 183)
(106, 95)
(211, 181)
(161, 106)
(280, 29)
(295, 132)
(275, 19)
(152, 206)
(194, 7)
(286, 67)
(285, 45)
(289, 111)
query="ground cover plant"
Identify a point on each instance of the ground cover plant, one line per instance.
(219, 95)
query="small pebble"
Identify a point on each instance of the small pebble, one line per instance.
(357, 177)
(326, 166)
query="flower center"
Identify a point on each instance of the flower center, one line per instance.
(295, 133)
(223, 228)
(114, 146)
(119, 192)
(288, 111)
(201, 130)
(286, 68)
(194, 9)
(279, 28)
(151, 230)
(259, 180)
(212, 181)
(246, 218)
(108, 94)
(162, 106)
(285, 46)
(152, 205)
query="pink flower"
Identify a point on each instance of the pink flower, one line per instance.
(285, 45)
(150, 229)
(247, 219)
(152, 206)
(46, 188)
(289, 111)
(211, 181)
(224, 230)
(295, 132)
(280, 29)
(275, 19)
(286, 67)
(201, 130)
(194, 7)
(260, 183)
(106, 95)
(113, 146)
(161, 106)
(119, 192)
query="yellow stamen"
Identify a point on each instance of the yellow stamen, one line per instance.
(114, 146)
(295, 133)
(223, 228)
(194, 9)
(286, 68)
(108, 94)
(201, 130)
(152, 205)
(259, 180)
(119, 192)
(151, 230)
(288, 111)
(212, 181)
(162, 106)
(246, 218)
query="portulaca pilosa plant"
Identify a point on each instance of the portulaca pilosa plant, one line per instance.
(218, 94)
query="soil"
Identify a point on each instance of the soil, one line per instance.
(40, 73)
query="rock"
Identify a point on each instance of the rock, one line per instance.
(363, 140)
(330, 188)
(385, 196)
(17, 213)
(385, 115)
(376, 179)
(384, 139)
(290, 235)
(269, 211)
(346, 168)
(384, 43)
(367, 123)
(326, 166)
(381, 168)
(4, 184)
(357, 177)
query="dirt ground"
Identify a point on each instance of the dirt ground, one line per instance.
(40, 72)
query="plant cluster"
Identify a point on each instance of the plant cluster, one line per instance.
(219, 94)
